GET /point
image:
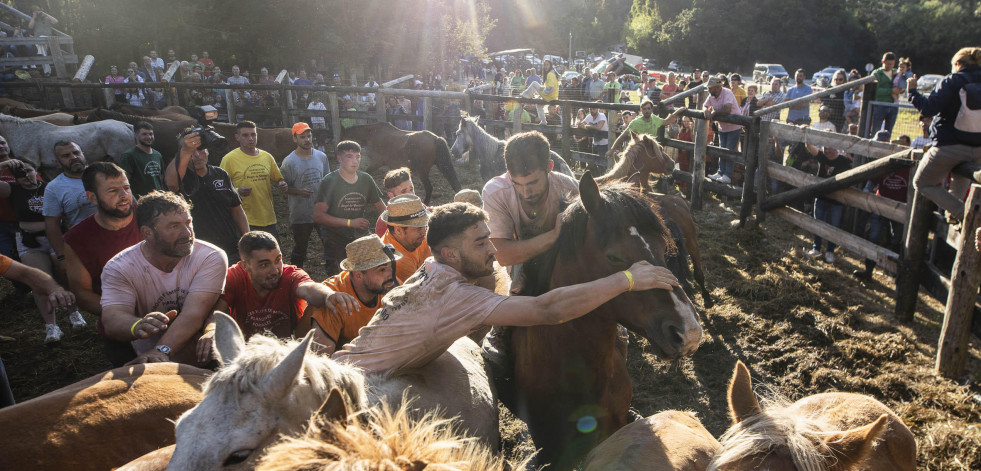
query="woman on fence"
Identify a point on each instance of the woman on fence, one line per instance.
(548, 92)
(956, 131)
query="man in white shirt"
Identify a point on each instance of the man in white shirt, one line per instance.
(596, 120)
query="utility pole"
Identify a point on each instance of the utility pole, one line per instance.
(570, 50)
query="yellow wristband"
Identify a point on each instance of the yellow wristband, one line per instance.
(630, 279)
(132, 328)
(212, 329)
(348, 223)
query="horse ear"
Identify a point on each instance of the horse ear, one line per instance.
(283, 377)
(634, 136)
(334, 408)
(229, 340)
(637, 180)
(589, 193)
(742, 401)
(851, 447)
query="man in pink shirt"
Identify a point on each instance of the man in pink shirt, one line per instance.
(721, 102)
(159, 293)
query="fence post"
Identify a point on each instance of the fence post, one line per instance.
(914, 247)
(965, 277)
(750, 153)
(381, 111)
(762, 176)
(335, 116)
(868, 93)
(698, 163)
(567, 132)
(427, 113)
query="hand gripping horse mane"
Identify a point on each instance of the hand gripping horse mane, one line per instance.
(392, 147)
(489, 150)
(570, 381)
(266, 387)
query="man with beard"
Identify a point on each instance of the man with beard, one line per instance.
(722, 102)
(94, 241)
(648, 123)
(142, 162)
(367, 275)
(65, 201)
(302, 170)
(596, 120)
(439, 304)
(159, 293)
(801, 112)
(216, 206)
(523, 204)
(408, 221)
(262, 294)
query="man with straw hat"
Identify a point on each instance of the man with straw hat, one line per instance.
(408, 222)
(367, 276)
(439, 303)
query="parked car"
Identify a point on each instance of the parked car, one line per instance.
(569, 75)
(927, 83)
(764, 73)
(822, 78)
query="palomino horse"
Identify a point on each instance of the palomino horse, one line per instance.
(489, 150)
(381, 439)
(644, 155)
(570, 381)
(668, 441)
(265, 388)
(101, 422)
(33, 141)
(823, 432)
(392, 147)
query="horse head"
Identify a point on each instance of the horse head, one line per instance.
(791, 438)
(463, 142)
(608, 231)
(263, 388)
(650, 155)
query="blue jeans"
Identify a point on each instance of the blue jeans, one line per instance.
(728, 140)
(8, 239)
(829, 212)
(883, 116)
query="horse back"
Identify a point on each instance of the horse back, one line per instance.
(100, 422)
(668, 441)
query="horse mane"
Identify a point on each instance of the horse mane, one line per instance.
(622, 206)
(626, 165)
(778, 426)
(247, 373)
(385, 440)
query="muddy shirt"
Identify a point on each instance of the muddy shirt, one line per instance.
(420, 320)
(508, 220)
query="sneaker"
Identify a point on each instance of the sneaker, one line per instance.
(829, 257)
(77, 320)
(724, 180)
(863, 275)
(715, 177)
(52, 333)
(813, 253)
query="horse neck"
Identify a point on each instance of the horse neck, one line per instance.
(624, 167)
(483, 140)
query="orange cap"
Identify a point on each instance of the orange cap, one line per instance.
(300, 128)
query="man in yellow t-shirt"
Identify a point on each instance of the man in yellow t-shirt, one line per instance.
(408, 223)
(252, 170)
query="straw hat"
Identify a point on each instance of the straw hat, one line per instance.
(468, 196)
(366, 253)
(406, 210)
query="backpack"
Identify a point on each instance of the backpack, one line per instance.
(967, 126)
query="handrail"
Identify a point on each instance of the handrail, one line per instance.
(811, 97)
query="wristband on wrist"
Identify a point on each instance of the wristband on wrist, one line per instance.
(348, 223)
(132, 328)
(630, 279)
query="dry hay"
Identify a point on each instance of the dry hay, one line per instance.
(802, 326)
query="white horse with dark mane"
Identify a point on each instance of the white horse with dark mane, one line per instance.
(266, 387)
(489, 150)
(33, 141)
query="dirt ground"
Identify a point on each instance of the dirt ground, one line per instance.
(802, 326)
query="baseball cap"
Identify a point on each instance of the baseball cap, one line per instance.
(300, 128)
(714, 82)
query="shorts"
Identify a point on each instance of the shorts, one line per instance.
(41, 241)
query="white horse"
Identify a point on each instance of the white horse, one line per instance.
(489, 150)
(33, 141)
(265, 388)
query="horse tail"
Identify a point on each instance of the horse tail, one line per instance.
(445, 163)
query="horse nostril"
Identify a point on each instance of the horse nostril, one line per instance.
(674, 335)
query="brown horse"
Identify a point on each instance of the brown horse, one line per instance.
(101, 422)
(570, 382)
(668, 441)
(276, 141)
(126, 108)
(675, 210)
(643, 155)
(392, 147)
(823, 432)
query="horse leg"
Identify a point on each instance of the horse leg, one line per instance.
(696, 261)
(678, 262)
(424, 176)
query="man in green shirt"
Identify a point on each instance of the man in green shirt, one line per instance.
(611, 89)
(142, 163)
(647, 123)
(884, 117)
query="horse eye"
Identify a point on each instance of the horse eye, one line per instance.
(237, 457)
(614, 259)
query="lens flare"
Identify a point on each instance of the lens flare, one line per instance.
(586, 424)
